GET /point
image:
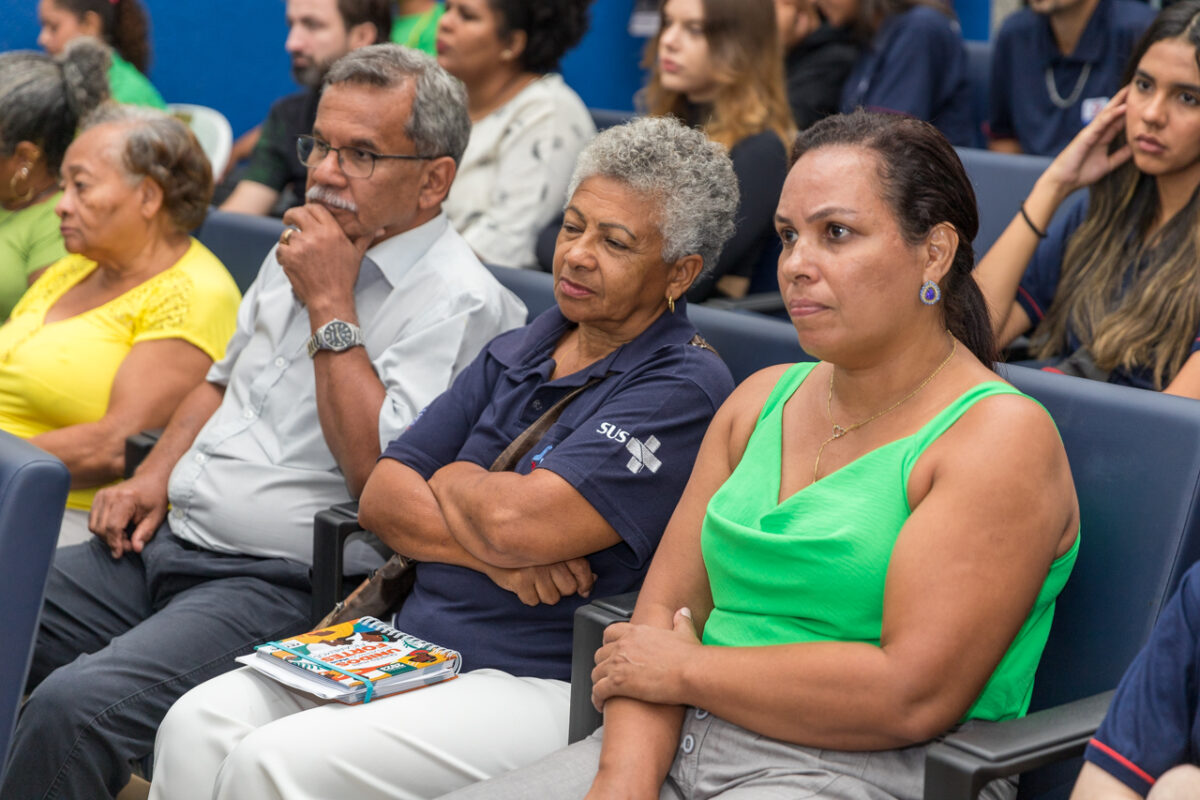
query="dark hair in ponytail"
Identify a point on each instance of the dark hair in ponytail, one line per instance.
(924, 184)
(123, 25)
(43, 99)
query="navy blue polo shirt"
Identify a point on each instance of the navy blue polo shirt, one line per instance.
(626, 444)
(1040, 282)
(916, 65)
(1021, 106)
(1153, 723)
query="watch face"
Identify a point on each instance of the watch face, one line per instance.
(338, 335)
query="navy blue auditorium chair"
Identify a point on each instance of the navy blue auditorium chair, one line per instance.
(979, 77)
(1001, 181)
(747, 342)
(33, 494)
(241, 241)
(606, 118)
(1135, 458)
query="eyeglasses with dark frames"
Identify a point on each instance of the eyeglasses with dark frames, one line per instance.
(354, 161)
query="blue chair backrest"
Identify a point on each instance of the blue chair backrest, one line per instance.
(1135, 457)
(33, 493)
(536, 289)
(606, 118)
(1001, 181)
(979, 77)
(748, 342)
(764, 278)
(241, 241)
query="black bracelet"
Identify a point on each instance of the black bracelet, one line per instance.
(1041, 234)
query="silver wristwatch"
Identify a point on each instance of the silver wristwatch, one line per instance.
(335, 335)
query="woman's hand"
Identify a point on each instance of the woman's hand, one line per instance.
(644, 662)
(1081, 163)
(546, 585)
(1086, 159)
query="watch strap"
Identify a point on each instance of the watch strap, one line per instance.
(318, 342)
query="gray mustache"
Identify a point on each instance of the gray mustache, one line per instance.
(325, 196)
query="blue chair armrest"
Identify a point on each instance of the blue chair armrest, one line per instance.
(590, 622)
(957, 767)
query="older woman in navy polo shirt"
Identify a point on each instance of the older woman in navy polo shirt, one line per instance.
(507, 556)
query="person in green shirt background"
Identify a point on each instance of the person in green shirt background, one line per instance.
(42, 100)
(122, 24)
(415, 22)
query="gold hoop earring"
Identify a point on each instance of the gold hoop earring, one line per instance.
(671, 303)
(21, 175)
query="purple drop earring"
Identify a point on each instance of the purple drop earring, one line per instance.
(931, 293)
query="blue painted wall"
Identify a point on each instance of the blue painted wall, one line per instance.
(604, 68)
(228, 54)
(975, 16)
(200, 55)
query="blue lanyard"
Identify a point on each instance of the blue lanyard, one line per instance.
(324, 665)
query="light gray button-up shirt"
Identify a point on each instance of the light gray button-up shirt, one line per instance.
(260, 468)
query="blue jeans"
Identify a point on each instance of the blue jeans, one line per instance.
(121, 640)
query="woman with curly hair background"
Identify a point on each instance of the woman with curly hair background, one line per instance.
(529, 126)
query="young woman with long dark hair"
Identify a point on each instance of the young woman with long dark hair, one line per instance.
(1109, 288)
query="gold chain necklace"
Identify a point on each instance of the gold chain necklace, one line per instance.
(839, 431)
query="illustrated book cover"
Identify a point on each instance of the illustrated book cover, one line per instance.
(354, 661)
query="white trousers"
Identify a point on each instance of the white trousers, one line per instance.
(241, 735)
(74, 528)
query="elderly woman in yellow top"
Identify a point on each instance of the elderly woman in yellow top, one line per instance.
(111, 337)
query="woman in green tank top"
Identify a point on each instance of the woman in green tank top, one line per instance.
(870, 547)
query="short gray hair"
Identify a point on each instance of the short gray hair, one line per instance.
(160, 147)
(439, 124)
(690, 176)
(42, 99)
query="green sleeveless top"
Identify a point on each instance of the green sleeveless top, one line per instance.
(812, 568)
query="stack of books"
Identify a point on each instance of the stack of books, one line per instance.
(355, 661)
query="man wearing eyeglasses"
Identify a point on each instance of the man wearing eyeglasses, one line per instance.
(360, 316)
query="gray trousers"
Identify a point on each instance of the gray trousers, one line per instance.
(121, 640)
(719, 759)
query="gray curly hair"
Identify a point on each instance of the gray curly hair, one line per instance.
(438, 124)
(690, 176)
